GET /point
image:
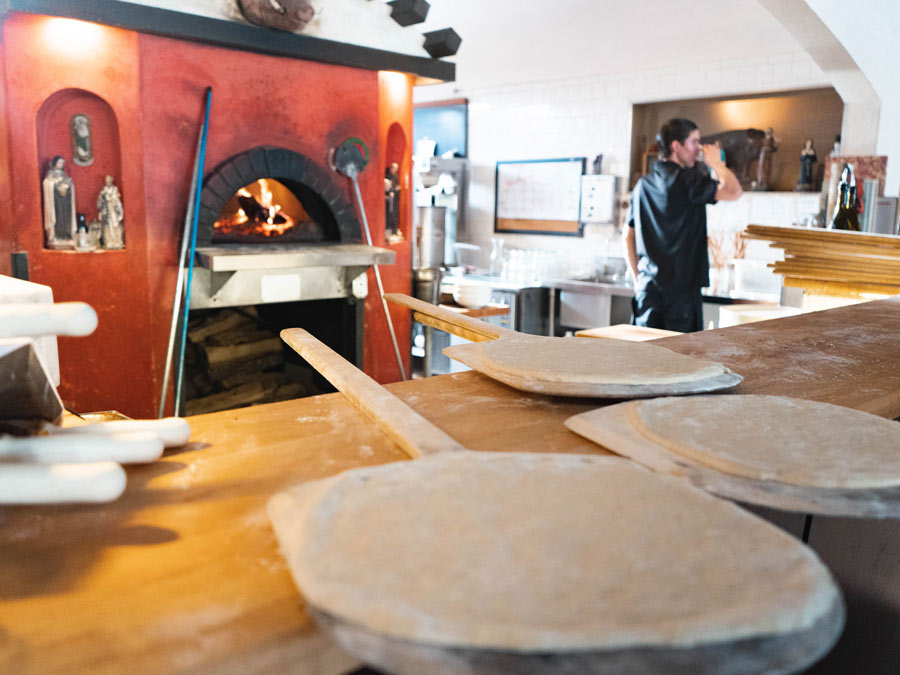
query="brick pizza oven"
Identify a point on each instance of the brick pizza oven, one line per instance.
(280, 103)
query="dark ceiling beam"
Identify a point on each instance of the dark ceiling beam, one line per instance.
(233, 35)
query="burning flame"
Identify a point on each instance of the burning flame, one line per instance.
(265, 217)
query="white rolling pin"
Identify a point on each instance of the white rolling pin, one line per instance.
(127, 448)
(60, 483)
(173, 431)
(38, 319)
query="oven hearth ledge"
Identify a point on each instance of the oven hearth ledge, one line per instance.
(238, 275)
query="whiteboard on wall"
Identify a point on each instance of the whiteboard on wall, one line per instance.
(541, 196)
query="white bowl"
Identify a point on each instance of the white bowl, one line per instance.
(472, 296)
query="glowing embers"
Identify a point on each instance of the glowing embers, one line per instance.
(265, 209)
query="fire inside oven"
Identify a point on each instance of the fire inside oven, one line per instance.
(267, 210)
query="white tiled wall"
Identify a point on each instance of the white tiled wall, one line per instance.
(589, 116)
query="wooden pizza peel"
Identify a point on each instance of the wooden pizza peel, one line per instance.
(479, 332)
(610, 428)
(773, 652)
(40, 461)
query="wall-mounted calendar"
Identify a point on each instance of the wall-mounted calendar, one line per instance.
(540, 196)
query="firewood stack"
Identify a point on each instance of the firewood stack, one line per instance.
(232, 361)
(834, 262)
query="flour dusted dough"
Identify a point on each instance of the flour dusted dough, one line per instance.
(793, 441)
(595, 360)
(537, 552)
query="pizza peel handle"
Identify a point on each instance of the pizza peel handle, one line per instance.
(415, 435)
(451, 322)
(37, 319)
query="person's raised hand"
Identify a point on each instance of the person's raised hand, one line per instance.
(711, 156)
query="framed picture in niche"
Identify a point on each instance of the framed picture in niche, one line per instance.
(82, 140)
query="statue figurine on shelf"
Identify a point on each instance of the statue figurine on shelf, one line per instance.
(392, 199)
(59, 206)
(111, 214)
(807, 159)
(764, 167)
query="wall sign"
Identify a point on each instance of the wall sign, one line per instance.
(541, 196)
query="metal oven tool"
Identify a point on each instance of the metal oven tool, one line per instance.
(190, 235)
(349, 159)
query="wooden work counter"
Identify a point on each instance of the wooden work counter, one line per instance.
(182, 574)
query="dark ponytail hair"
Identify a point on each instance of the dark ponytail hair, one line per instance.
(676, 129)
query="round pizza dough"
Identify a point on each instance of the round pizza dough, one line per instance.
(536, 553)
(595, 361)
(792, 441)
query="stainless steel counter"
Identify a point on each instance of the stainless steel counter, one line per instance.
(619, 288)
(590, 287)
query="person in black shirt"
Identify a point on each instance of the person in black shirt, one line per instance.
(665, 240)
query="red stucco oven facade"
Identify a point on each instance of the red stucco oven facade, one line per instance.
(144, 94)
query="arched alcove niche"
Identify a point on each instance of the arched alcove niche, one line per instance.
(54, 130)
(396, 151)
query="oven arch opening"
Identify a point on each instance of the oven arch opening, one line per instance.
(259, 180)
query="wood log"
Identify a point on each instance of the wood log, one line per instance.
(217, 323)
(237, 337)
(219, 372)
(226, 400)
(217, 355)
(275, 379)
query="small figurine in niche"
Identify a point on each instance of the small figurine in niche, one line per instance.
(111, 214)
(82, 141)
(764, 167)
(59, 206)
(392, 199)
(82, 235)
(807, 159)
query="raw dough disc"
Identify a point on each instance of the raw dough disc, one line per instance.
(536, 552)
(789, 440)
(595, 360)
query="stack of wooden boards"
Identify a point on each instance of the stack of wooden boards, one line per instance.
(833, 262)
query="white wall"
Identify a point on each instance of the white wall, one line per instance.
(589, 115)
(868, 31)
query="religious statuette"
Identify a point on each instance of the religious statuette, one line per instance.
(82, 141)
(764, 166)
(807, 159)
(111, 215)
(59, 206)
(392, 199)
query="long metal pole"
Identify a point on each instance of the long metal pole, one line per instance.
(352, 173)
(179, 375)
(179, 283)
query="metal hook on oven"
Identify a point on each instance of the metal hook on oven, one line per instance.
(349, 159)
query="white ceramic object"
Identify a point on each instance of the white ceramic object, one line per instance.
(473, 296)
